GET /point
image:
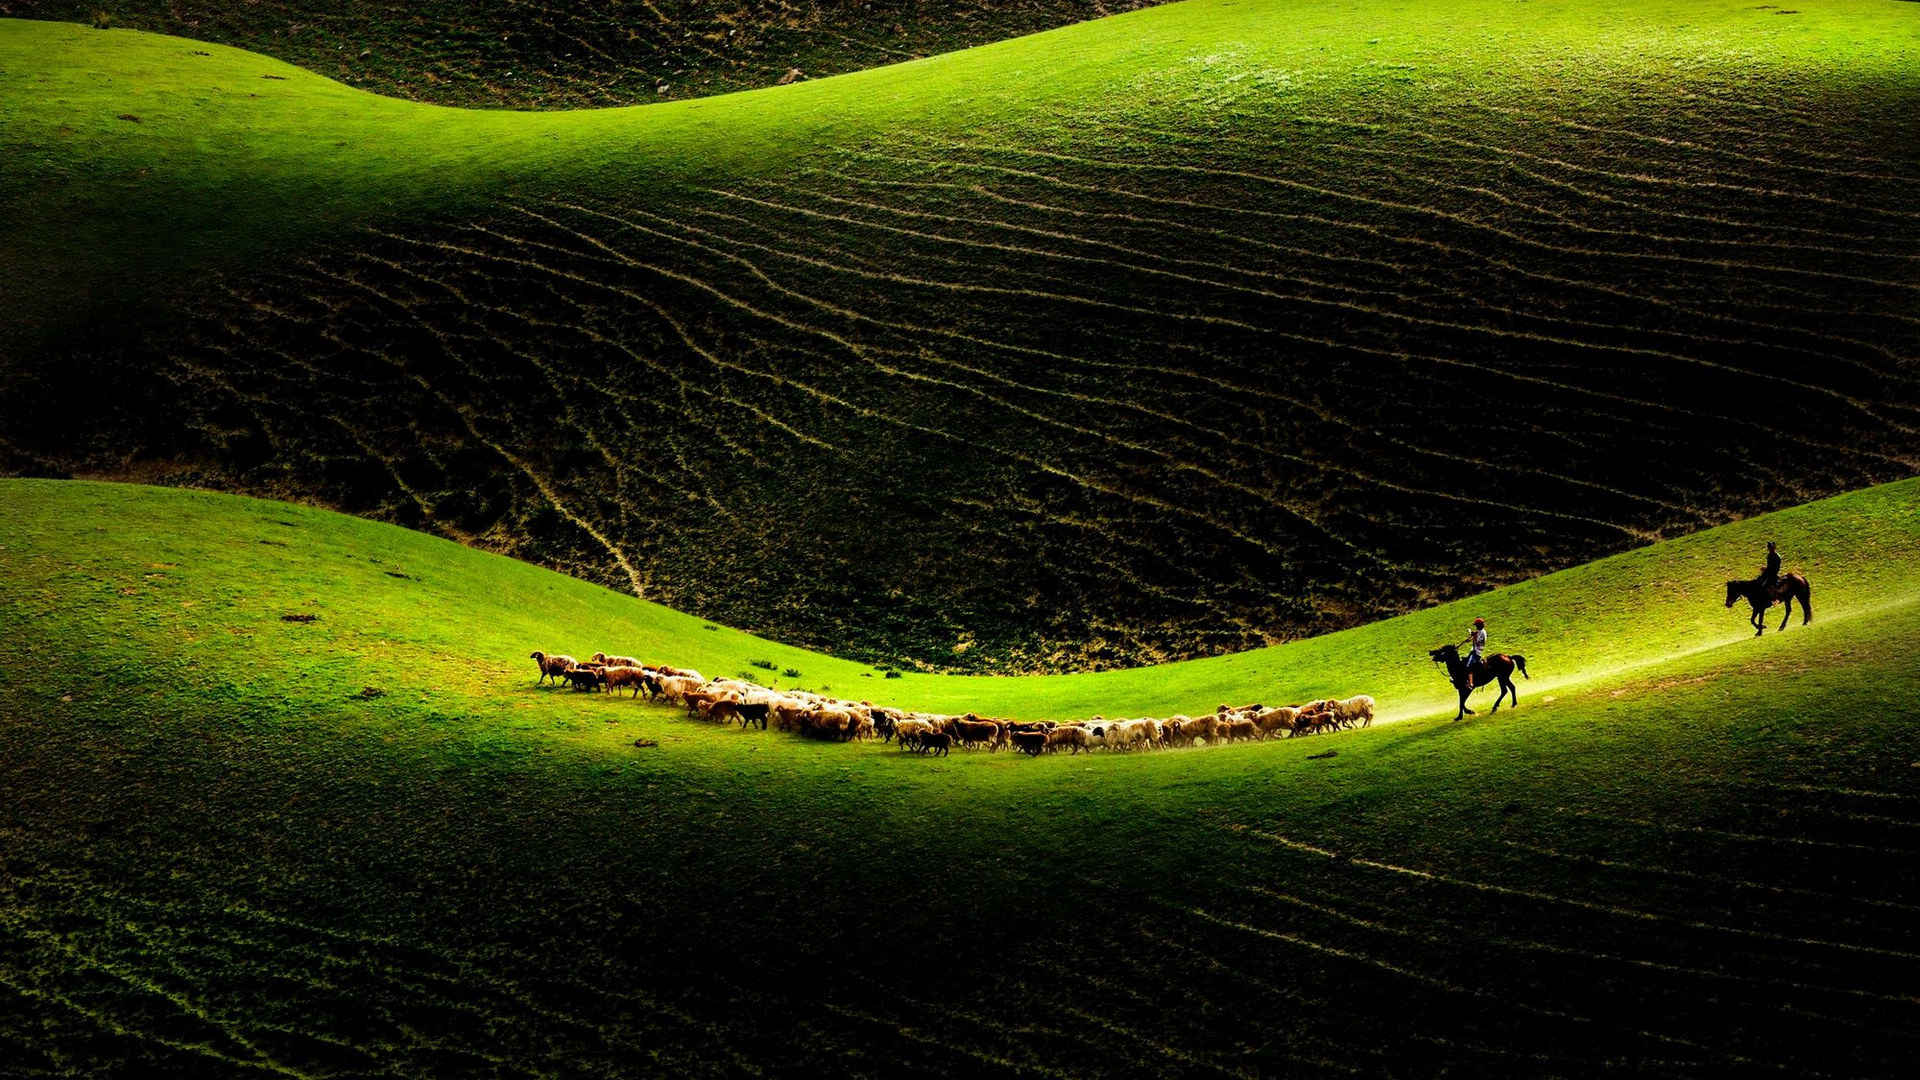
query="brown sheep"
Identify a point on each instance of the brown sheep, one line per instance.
(788, 713)
(615, 661)
(1274, 721)
(1030, 742)
(1198, 729)
(552, 667)
(1240, 730)
(977, 732)
(747, 713)
(1313, 720)
(624, 676)
(938, 743)
(587, 678)
(1076, 737)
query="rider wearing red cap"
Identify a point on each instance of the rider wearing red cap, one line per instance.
(1476, 642)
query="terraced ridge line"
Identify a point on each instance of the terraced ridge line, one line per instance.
(1182, 387)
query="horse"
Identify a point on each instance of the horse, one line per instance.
(1789, 587)
(1499, 665)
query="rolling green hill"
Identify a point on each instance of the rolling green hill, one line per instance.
(1688, 852)
(1195, 329)
(594, 52)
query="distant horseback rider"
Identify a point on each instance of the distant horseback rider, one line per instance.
(1770, 577)
(1476, 643)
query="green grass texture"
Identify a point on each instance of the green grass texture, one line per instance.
(1687, 851)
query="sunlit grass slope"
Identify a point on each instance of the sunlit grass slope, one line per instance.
(395, 606)
(233, 150)
(222, 856)
(1163, 336)
(590, 52)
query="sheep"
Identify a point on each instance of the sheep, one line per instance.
(788, 711)
(1240, 730)
(586, 678)
(624, 675)
(1076, 737)
(1273, 721)
(973, 731)
(674, 688)
(1356, 710)
(910, 731)
(615, 661)
(702, 699)
(828, 722)
(1202, 728)
(1312, 719)
(938, 743)
(748, 713)
(552, 667)
(1030, 742)
(681, 673)
(1132, 734)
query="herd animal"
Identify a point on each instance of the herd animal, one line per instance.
(735, 701)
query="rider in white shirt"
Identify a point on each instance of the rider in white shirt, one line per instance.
(1476, 643)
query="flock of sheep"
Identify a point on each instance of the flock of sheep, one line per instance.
(726, 700)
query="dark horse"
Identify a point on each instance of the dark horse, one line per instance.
(1499, 665)
(1789, 588)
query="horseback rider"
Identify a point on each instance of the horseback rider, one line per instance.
(1770, 577)
(1476, 642)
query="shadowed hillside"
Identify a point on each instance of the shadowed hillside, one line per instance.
(1162, 336)
(526, 54)
(367, 845)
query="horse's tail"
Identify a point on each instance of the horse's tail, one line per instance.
(1521, 663)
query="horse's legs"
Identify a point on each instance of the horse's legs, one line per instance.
(1788, 613)
(1506, 682)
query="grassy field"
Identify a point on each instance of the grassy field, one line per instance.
(593, 52)
(1167, 335)
(1688, 853)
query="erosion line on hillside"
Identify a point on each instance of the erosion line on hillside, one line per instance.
(1037, 465)
(860, 353)
(1586, 905)
(1461, 933)
(1862, 406)
(1385, 313)
(1252, 492)
(1630, 178)
(1534, 118)
(1750, 838)
(1389, 236)
(540, 482)
(1837, 899)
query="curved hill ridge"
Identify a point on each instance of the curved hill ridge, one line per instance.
(521, 54)
(366, 844)
(1175, 334)
(432, 603)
